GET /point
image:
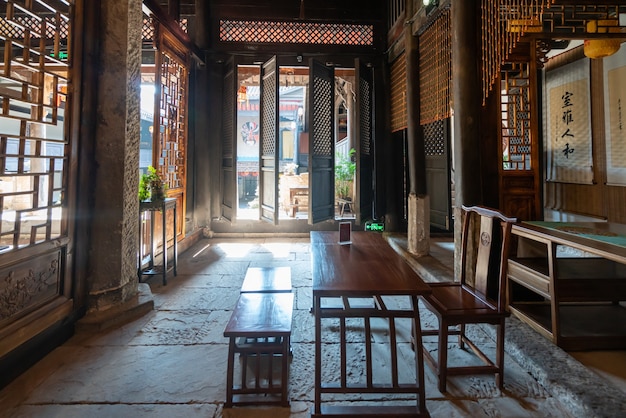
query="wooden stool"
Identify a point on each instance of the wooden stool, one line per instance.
(267, 279)
(259, 326)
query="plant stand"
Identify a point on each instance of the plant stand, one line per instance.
(151, 270)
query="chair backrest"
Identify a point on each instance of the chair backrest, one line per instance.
(484, 252)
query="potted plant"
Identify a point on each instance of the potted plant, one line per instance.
(151, 186)
(344, 174)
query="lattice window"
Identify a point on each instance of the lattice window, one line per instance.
(435, 48)
(398, 94)
(365, 116)
(269, 115)
(434, 138)
(35, 41)
(516, 118)
(172, 121)
(272, 32)
(147, 30)
(322, 114)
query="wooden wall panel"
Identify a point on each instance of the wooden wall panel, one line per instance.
(582, 199)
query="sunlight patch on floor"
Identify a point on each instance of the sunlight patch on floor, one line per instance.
(278, 250)
(235, 250)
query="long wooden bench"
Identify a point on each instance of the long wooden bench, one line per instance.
(259, 327)
(267, 279)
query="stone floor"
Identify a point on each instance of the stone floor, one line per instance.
(172, 361)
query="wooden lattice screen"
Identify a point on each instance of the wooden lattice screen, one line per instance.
(516, 118)
(435, 49)
(276, 32)
(398, 94)
(505, 22)
(36, 50)
(172, 115)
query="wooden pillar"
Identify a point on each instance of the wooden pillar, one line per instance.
(418, 233)
(467, 103)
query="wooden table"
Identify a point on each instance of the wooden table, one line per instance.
(367, 268)
(571, 294)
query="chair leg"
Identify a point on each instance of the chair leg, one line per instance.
(462, 336)
(442, 365)
(500, 354)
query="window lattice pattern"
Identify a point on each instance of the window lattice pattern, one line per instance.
(322, 110)
(434, 138)
(256, 31)
(516, 114)
(228, 99)
(504, 23)
(436, 70)
(147, 30)
(398, 94)
(172, 121)
(35, 41)
(365, 110)
(269, 115)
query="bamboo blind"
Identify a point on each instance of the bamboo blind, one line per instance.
(435, 49)
(398, 94)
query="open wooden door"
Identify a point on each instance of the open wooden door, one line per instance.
(363, 125)
(321, 142)
(229, 143)
(438, 173)
(268, 153)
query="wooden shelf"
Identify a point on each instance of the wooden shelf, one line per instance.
(573, 301)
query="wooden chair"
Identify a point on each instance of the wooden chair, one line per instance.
(479, 297)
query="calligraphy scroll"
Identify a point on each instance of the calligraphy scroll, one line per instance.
(615, 117)
(569, 124)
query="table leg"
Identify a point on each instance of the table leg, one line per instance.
(164, 222)
(175, 244)
(419, 355)
(318, 354)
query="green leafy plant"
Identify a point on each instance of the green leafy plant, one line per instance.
(151, 186)
(344, 174)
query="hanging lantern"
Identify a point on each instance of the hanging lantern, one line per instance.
(600, 48)
(242, 94)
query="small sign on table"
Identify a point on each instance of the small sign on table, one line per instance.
(345, 230)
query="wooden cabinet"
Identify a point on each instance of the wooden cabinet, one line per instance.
(568, 281)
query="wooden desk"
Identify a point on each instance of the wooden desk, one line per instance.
(367, 268)
(567, 281)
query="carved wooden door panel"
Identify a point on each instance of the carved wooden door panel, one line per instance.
(228, 189)
(268, 126)
(365, 159)
(321, 142)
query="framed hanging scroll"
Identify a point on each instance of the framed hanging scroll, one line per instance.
(569, 124)
(614, 114)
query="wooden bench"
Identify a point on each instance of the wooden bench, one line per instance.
(259, 327)
(267, 279)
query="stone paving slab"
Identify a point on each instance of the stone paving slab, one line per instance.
(172, 362)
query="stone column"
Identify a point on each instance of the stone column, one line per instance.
(113, 282)
(418, 234)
